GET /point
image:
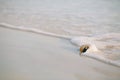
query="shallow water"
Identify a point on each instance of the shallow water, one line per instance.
(97, 19)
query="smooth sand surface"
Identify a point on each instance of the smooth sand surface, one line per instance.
(29, 56)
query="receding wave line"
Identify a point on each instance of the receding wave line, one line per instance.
(33, 30)
(102, 59)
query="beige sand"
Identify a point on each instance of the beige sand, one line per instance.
(28, 56)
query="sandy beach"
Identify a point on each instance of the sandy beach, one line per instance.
(29, 56)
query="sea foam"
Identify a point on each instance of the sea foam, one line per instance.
(92, 52)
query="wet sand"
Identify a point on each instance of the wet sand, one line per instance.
(29, 56)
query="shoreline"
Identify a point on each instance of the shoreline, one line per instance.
(29, 56)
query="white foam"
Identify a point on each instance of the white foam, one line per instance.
(82, 40)
(33, 30)
(79, 41)
(102, 59)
